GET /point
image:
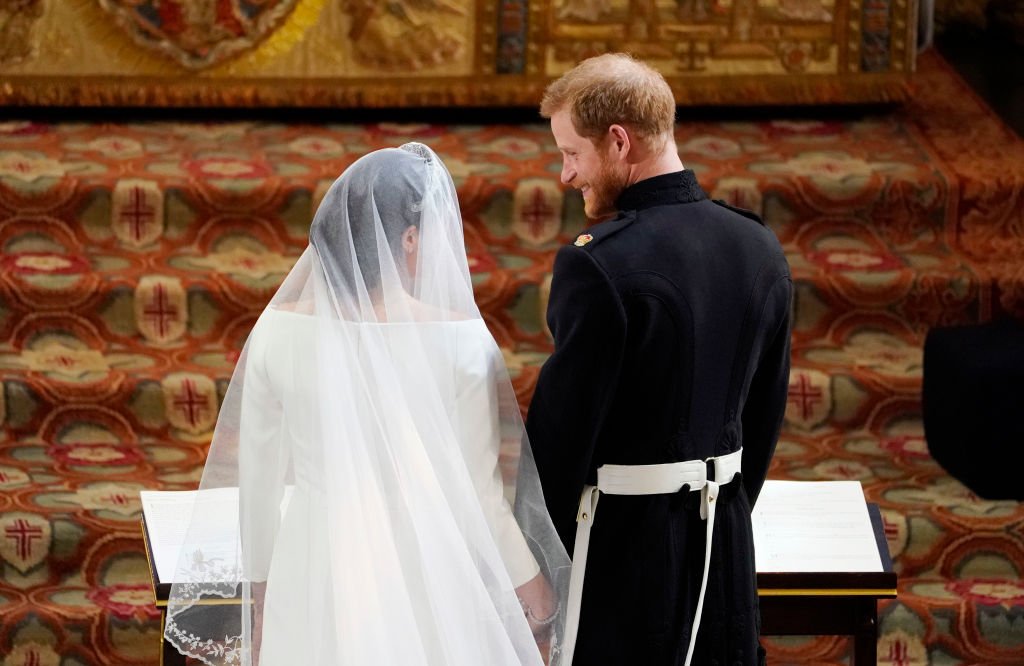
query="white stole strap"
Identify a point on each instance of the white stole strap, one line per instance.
(645, 480)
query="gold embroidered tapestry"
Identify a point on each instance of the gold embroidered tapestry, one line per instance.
(375, 53)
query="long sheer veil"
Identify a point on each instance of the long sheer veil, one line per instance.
(367, 444)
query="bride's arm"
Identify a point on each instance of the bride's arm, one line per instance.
(479, 431)
(262, 462)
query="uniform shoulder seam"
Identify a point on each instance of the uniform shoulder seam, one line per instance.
(591, 237)
(749, 214)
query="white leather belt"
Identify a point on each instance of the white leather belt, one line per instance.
(645, 480)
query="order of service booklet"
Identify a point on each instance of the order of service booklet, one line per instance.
(813, 526)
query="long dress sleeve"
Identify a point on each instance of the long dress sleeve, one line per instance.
(766, 400)
(577, 382)
(262, 461)
(479, 433)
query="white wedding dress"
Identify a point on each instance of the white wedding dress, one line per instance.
(280, 345)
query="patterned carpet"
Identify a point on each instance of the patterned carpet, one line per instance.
(135, 258)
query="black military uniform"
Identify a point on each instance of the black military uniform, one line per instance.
(671, 327)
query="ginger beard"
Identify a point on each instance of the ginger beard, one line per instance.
(601, 191)
(591, 166)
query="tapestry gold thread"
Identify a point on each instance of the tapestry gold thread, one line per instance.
(303, 17)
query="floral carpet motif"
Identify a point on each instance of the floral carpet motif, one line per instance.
(136, 257)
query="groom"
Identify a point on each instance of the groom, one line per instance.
(665, 393)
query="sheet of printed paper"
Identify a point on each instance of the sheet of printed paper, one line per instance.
(814, 526)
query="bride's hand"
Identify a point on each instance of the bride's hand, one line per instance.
(540, 607)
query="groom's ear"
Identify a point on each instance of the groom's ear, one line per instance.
(619, 142)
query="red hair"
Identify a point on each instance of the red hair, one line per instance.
(611, 89)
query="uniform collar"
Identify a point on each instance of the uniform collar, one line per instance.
(669, 188)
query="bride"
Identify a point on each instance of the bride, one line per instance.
(372, 434)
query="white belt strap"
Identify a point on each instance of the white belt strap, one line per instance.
(645, 480)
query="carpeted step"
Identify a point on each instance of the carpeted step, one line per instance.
(220, 212)
(867, 363)
(958, 619)
(61, 392)
(74, 486)
(76, 579)
(135, 326)
(849, 272)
